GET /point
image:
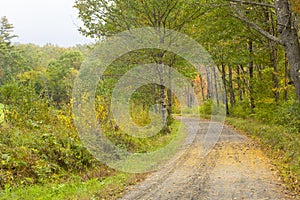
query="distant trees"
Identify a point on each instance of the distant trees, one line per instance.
(60, 75)
(32, 78)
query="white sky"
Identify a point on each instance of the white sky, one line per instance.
(43, 21)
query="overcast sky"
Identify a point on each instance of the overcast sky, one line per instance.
(43, 21)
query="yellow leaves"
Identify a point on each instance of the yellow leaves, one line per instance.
(296, 5)
(29, 75)
(1, 113)
(66, 120)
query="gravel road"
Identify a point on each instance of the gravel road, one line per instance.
(235, 168)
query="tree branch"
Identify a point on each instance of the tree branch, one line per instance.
(253, 3)
(251, 24)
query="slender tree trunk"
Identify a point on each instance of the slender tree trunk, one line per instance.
(189, 96)
(259, 68)
(202, 87)
(246, 82)
(275, 73)
(208, 83)
(239, 83)
(231, 89)
(273, 54)
(288, 27)
(286, 78)
(251, 67)
(169, 93)
(216, 86)
(156, 98)
(163, 102)
(224, 82)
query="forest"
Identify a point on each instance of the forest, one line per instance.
(254, 45)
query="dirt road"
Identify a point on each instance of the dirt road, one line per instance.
(235, 168)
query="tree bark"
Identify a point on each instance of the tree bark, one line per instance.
(169, 93)
(251, 67)
(208, 83)
(202, 87)
(239, 83)
(224, 82)
(287, 27)
(231, 89)
(275, 73)
(286, 78)
(216, 86)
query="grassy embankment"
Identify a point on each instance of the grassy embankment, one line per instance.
(48, 161)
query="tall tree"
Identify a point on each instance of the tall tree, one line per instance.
(287, 21)
(10, 59)
(103, 18)
(6, 31)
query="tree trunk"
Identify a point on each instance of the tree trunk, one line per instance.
(251, 67)
(275, 73)
(239, 82)
(224, 82)
(216, 86)
(287, 27)
(231, 89)
(273, 53)
(202, 87)
(169, 93)
(208, 83)
(286, 78)
(163, 102)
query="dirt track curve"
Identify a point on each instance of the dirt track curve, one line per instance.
(236, 168)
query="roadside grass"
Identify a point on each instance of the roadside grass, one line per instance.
(281, 144)
(109, 188)
(89, 184)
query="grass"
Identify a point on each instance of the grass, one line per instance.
(282, 145)
(109, 188)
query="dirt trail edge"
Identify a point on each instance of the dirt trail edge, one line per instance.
(235, 169)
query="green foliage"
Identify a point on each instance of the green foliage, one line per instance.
(102, 18)
(46, 154)
(61, 74)
(288, 115)
(23, 105)
(241, 109)
(206, 108)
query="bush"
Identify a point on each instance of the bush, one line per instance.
(23, 106)
(240, 109)
(206, 108)
(38, 156)
(288, 115)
